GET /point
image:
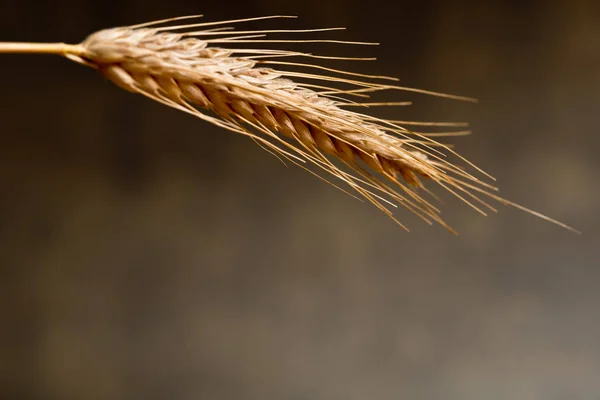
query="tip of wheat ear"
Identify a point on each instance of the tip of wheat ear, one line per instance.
(301, 112)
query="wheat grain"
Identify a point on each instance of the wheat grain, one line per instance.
(382, 160)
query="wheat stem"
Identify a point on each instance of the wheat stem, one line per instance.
(40, 48)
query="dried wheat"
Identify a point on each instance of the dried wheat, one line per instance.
(382, 160)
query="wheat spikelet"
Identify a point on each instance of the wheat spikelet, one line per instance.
(381, 160)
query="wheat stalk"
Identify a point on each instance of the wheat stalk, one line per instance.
(382, 160)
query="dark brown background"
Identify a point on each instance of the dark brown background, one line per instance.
(146, 254)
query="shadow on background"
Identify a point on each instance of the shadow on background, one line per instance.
(146, 254)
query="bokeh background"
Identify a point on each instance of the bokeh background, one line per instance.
(145, 254)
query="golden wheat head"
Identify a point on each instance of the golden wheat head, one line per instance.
(308, 119)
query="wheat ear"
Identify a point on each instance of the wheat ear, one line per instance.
(382, 160)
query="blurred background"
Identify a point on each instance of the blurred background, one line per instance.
(145, 254)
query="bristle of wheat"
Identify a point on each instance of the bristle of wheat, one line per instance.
(382, 160)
